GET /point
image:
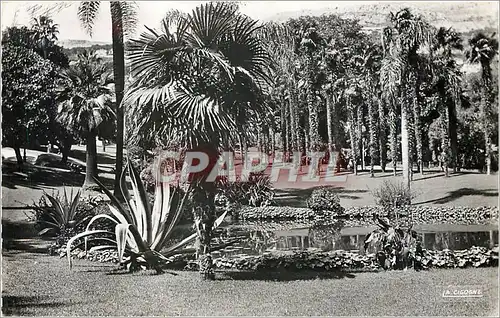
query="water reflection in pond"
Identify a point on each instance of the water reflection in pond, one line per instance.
(258, 238)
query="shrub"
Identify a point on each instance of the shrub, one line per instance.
(392, 195)
(60, 216)
(257, 191)
(324, 200)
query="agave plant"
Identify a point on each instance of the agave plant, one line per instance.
(141, 231)
(60, 216)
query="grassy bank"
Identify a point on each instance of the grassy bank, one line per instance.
(35, 284)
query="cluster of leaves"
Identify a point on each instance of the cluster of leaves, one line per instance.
(28, 86)
(325, 201)
(191, 83)
(61, 216)
(346, 261)
(257, 191)
(393, 195)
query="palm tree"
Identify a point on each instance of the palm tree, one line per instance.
(123, 22)
(85, 103)
(44, 33)
(390, 82)
(191, 78)
(367, 62)
(448, 80)
(404, 38)
(483, 49)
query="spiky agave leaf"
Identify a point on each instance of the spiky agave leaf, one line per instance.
(79, 236)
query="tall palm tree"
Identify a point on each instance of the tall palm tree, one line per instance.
(482, 50)
(407, 34)
(368, 62)
(44, 33)
(191, 78)
(123, 23)
(448, 79)
(390, 82)
(85, 103)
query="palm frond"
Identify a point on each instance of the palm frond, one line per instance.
(87, 14)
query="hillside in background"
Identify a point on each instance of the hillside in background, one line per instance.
(464, 17)
(69, 44)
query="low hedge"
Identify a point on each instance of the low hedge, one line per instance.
(343, 260)
(418, 214)
(319, 261)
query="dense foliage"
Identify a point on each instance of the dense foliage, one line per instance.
(28, 87)
(325, 201)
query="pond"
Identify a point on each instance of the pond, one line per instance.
(257, 238)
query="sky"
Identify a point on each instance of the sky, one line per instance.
(150, 14)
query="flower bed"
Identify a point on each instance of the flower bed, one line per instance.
(418, 214)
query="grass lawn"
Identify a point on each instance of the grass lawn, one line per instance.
(35, 284)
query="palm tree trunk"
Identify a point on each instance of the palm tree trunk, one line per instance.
(329, 122)
(416, 127)
(486, 112)
(313, 123)
(405, 146)
(119, 76)
(393, 136)
(283, 127)
(352, 135)
(444, 139)
(91, 162)
(452, 129)
(293, 124)
(359, 136)
(382, 134)
(373, 135)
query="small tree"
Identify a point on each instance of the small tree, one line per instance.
(28, 83)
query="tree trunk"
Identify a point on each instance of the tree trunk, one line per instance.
(204, 208)
(452, 130)
(486, 112)
(271, 139)
(66, 149)
(393, 127)
(359, 136)
(283, 127)
(405, 146)
(293, 124)
(19, 157)
(416, 127)
(329, 122)
(373, 135)
(352, 135)
(119, 77)
(313, 122)
(444, 139)
(382, 134)
(91, 162)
